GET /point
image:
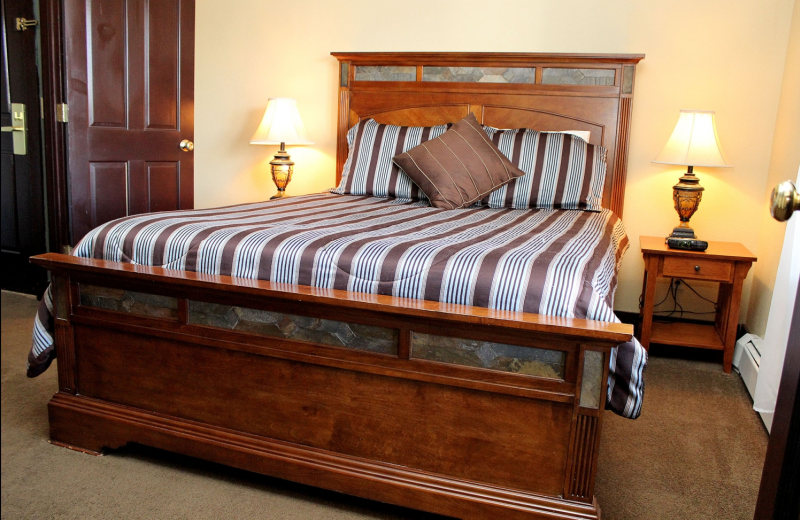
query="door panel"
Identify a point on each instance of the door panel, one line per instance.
(163, 53)
(163, 182)
(23, 224)
(106, 69)
(130, 68)
(109, 183)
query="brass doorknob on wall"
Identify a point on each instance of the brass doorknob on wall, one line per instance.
(785, 201)
(187, 145)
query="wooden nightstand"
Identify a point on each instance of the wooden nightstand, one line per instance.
(723, 262)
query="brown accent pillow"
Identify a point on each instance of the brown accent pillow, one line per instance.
(459, 167)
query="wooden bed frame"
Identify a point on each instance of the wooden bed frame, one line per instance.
(163, 358)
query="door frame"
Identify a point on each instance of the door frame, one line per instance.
(55, 132)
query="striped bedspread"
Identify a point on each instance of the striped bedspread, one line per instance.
(554, 262)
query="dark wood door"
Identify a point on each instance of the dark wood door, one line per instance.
(23, 213)
(779, 494)
(130, 90)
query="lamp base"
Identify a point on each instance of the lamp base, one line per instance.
(282, 167)
(683, 232)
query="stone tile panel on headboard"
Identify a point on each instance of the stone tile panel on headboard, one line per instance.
(558, 76)
(480, 74)
(371, 73)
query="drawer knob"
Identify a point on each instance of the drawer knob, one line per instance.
(697, 268)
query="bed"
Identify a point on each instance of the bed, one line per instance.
(354, 351)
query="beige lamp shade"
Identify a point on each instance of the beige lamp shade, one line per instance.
(281, 124)
(694, 142)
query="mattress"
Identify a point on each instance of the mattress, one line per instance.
(552, 262)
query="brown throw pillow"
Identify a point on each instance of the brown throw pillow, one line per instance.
(459, 167)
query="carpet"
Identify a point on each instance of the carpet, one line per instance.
(695, 453)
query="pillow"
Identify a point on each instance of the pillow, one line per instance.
(459, 167)
(583, 134)
(369, 169)
(561, 171)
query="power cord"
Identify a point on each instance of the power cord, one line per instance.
(672, 291)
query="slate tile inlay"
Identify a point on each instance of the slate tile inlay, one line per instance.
(369, 73)
(131, 302)
(479, 74)
(486, 354)
(552, 76)
(299, 328)
(592, 381)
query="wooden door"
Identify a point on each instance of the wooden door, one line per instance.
(23, 214)
(130, 91)
(779, 494)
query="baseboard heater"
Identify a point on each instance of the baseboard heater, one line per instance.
(746, 360)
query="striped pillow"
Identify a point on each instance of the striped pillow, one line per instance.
(561, 171)
(369, 169)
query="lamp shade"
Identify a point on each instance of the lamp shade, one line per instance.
(281, 124)
(694, 142)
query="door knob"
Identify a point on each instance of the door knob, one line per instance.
(785, 201)
(187, 145)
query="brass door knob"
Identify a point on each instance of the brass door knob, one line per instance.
(187, 145)
(785, 201)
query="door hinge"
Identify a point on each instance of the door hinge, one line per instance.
(23, 24)
(62, 112)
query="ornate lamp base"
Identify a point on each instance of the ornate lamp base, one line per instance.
(686, 194)
(282, 167)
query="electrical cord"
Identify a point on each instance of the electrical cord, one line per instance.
(672, 290)
(641, 296)
(716, 306)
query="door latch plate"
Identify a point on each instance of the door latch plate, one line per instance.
(18, 128)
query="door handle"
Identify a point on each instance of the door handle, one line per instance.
(785, 201)
(19, 128)
(187, 145)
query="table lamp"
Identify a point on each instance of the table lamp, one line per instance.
(281, 125)
(693, 143)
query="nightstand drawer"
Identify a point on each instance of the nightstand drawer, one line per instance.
(699, 268)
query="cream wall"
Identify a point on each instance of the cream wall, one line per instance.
(783, 165)
(723, 55)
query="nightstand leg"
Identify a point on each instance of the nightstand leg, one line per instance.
(732, 299)
(723, 307)
(651, 276)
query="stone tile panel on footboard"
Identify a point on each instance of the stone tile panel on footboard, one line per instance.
(299, 328)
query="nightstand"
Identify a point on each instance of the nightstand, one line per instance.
(723, 262)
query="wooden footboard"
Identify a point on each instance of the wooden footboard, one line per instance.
(460, 411)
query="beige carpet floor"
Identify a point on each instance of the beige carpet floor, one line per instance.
(696, 453)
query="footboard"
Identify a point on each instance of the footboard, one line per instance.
(456, 410)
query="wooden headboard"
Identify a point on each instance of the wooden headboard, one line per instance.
(505, 90)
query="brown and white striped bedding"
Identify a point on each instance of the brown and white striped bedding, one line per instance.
(554, 262)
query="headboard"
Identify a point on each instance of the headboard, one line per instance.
(505, 90)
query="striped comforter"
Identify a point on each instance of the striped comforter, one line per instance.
(554, 262)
